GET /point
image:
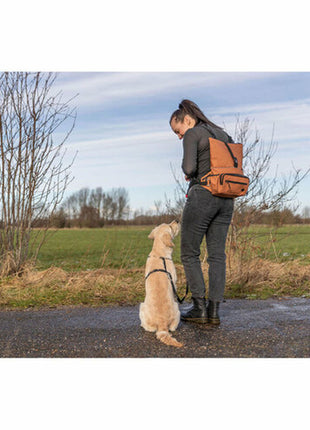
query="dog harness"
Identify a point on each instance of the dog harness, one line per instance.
(164, 270)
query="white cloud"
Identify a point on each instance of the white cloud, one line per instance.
(134, 147)
(291, 119)
(103, 88)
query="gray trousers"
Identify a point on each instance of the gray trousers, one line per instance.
(210, 216)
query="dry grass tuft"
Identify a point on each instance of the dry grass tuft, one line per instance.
(31, 276)
(256, 274)
(257, 271)
(54, 287)
(8, 264)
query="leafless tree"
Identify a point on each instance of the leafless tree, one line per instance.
(175, 207)
(158, 207)
(71, 207)
(89, 217)
(83, 197)
(121, 197)
(265, 194)
(268, 193)
(96, 198)
(96, 207)
(33, 173)
(306, 212)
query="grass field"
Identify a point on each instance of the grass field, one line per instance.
(97, 267)
(83, 249)
(128, 247)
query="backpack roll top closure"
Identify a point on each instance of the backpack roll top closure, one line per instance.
(226, 178)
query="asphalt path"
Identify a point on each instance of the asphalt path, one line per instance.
(249, 328)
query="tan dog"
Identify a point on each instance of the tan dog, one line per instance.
(160, 312)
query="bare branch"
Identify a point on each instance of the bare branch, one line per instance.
(32, 170)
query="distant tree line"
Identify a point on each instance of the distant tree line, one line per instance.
(276, 217)
(96, 208)
(93, 208)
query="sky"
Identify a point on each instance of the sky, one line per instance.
(123, 138)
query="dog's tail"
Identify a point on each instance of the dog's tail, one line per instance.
(165, 337)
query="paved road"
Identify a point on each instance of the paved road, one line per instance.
(249, 328)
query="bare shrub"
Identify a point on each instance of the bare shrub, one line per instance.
(33, 174)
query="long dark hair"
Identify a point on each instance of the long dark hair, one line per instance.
(187, 107)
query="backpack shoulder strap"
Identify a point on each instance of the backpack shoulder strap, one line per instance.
(209, 130)
(230, 139)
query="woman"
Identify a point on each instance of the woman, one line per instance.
(203, 215)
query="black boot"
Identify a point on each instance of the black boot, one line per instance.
(213, 312)
(197, 313)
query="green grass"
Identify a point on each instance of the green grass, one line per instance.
(128, 247)
(114, 247)
(290, 242)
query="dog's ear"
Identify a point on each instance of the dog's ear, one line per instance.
(168, 240)
(151, 235)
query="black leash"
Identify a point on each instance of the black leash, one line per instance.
(171, 280)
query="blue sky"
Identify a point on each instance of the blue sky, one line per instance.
(123, 137)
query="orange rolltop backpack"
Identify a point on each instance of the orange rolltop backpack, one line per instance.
(226, 178)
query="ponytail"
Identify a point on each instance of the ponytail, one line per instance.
(187, 107)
